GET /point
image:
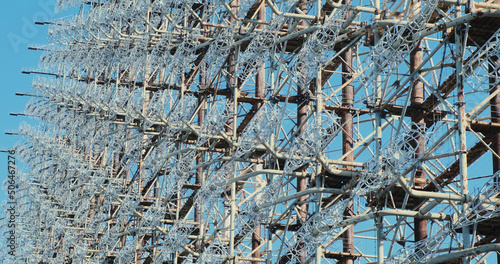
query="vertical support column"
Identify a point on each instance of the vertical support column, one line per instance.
(377, 94)
(347, 139)
(259, 92)
(232, 220)
(495, 110)
(256, 235)
(495, 115)
(317, 177)
(148, 95)
(417, 98)
(380, 236)
(261, 74)
(462, 123)
(199, 159)
(493, 70)
(198, 213)
(232, 82)
(302, 105)
(269, 246)
(378, 140)
(319, 182)
(231, 132)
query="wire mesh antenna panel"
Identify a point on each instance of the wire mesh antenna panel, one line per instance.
(252, 131)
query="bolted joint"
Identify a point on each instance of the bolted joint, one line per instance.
(303, 98)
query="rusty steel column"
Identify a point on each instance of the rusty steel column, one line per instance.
(494, 107)
(302, 105)
(232, 133)
(347, 139)
(259, 92)
(494, 71)
(460, 43)
(199, 157)
(495, 117)
(231, 86)
(417, 98)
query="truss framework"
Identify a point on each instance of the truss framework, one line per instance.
(262, 131)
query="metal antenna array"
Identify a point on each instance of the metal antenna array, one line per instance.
(263, 131)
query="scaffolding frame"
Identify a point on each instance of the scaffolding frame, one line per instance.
(263, 131)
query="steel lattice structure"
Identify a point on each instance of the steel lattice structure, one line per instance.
(263, 131)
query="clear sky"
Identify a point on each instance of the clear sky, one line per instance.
(18, 31)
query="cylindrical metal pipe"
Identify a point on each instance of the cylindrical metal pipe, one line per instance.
(259, 92)
(199, 158)
(302, 105)
(347, 139)
(493, 71)
(460, 43)
(417, 98)
(495, 109)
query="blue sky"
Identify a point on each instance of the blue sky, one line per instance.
(17, 32)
